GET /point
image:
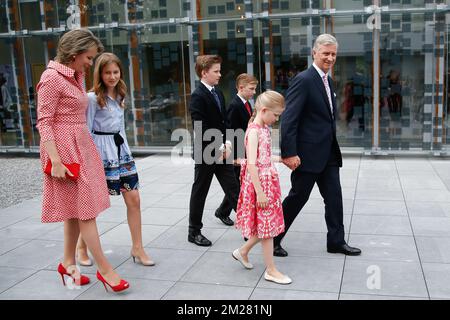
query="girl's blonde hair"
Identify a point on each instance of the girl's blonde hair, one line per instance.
(76, 42)
(269, 99)
(99, 87)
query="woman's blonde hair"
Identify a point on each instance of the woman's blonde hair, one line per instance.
(99, 87)
(269, 99)
(76, 42)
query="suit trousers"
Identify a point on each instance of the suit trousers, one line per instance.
(226, 206)
(329, 185)
(203, 175)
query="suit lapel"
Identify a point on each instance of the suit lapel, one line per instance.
(243, 108)
(210, 97)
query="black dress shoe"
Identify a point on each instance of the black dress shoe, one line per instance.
(226, 220)
(345, 249)
(278, 251)
(199, 240)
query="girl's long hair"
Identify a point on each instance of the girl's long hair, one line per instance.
(99, 88)
(270, 99)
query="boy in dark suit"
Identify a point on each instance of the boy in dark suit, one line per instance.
(239, 113)
(207, 108)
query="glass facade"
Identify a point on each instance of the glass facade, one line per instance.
(391, 75)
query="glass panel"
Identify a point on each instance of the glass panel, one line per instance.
(414, 102)
(352, 77)
(227, 39)
(9, 121)
(29, 19)
(165, 83)
(352, 4)
(3, 17)
(446, 133)
(290, 51)
(402, 90)
(34, 48)
(221, 9)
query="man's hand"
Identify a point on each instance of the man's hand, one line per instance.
(227, 151)
(291, 162)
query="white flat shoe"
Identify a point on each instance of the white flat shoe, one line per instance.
(237, 255)
(284, 280)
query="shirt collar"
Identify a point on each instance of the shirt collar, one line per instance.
(242, 99)
(117, 100)
(67, 72)
(61, 68)
(320, 71)
(207, 85)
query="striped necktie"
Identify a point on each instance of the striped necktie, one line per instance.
(328, 90)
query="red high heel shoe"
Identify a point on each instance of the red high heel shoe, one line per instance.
(62, 271)
(123, 285)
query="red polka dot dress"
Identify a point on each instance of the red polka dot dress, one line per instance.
(61, 116)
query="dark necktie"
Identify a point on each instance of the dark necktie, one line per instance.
(249, 109)
(214, 93)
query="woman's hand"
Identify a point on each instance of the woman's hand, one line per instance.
(59, 170)
(261, 200)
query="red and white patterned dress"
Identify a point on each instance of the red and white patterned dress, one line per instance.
(61, 116)
(251, 219)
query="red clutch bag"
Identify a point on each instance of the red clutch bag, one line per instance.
(74, 168)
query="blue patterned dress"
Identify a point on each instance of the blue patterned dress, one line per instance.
(121, 174)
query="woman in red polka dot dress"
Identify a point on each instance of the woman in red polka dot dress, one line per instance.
(62, 103)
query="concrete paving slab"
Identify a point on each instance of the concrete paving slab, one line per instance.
(437, 276)
(385, 247)
(278, 294)
(11, 276)
(308, 274)
(176, 238)
(380, 207)
(202, 291)
(384, 278)
(140, 289)
(433, 249)
(221, 268)
(32, 288)
(387, 225)
(171, 265)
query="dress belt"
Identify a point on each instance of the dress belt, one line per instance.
(118, 140)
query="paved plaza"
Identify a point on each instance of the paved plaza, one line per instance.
(396, 209)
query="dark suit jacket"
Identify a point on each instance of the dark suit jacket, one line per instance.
(203, 108)
(307, 127)
(238, 118)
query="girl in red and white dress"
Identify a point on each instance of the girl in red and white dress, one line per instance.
(259, 211)
(65, 139)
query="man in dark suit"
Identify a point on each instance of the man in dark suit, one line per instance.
(310, 148)
(207, 108)
(239, 113)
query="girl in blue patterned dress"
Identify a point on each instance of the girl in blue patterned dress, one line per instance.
(105, 119)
